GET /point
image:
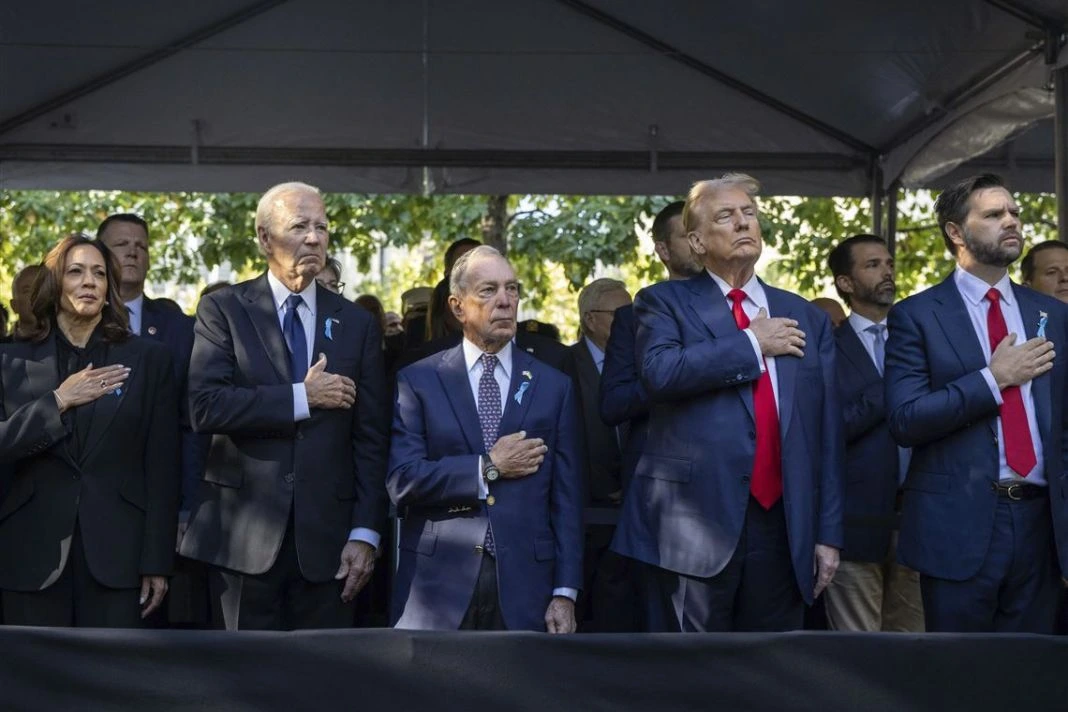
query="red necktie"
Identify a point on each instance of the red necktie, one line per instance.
(766, 482)
(1019, 450)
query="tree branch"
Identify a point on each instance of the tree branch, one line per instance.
(514, 215)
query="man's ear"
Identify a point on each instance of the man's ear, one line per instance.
(844, 283)
(263, 237)
(956, 235)
(456, 306)
(696, 246)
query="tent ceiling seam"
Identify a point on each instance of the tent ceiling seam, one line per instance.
(155, 56)
(708, 70)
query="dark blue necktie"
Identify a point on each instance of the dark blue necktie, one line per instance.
(296, 342)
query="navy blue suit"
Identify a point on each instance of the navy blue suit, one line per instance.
(871, 455)
(941, 406)
(687, 505)
(163, 323)
(433, 479)
(624, 401)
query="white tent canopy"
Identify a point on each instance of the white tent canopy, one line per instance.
(534, 96)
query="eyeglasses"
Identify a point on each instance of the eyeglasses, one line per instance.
(600, 311)
(336, 286)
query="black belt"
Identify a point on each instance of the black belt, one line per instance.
(1017, 491)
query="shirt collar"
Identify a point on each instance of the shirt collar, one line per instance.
(281, 292)
(137, 304)
(974, 289)
(595, 351)
(753, 289)
(860, 323)
(472, 354)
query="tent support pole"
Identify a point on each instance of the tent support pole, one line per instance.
(1060, 144)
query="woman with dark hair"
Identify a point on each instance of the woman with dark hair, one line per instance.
(89, 440)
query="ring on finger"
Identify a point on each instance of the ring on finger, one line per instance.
(103, 383)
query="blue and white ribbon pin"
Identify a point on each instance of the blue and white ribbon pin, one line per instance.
(522, 389)
(1043, 319)
(328, 328)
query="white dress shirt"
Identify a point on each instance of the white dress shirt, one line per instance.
(301, 411)
(136, 309)
(755, 300)
(503, 375)
(973, 290)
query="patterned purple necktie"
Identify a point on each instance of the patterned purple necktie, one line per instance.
(489, 417)
(489, 402)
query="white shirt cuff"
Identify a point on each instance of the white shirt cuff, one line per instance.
(483, 488)
(571, 593)
(368, 536)
(300, 403)
(990, 381)
(756, 349)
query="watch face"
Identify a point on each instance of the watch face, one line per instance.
(492, 473)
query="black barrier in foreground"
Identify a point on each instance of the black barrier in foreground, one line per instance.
(370, 670)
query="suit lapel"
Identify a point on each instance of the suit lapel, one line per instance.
(327, 306)
(105, 407)
(849, 345)
(785, 366)
(710, 305)
(150, 328)
(1040, 387)
(523, 371)
(452, 371)
(956, 324)
(259, 303)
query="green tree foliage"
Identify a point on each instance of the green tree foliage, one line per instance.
(556, 242)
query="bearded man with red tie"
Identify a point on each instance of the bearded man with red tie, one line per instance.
(736, 501)
(975, 384)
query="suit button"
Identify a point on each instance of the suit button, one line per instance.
(300, 436)
(479, 549)
(752, 435)
(289, 478)
(745, 479)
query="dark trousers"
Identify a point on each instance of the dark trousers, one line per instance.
(484, 611)
(609, 598)
(1015, 589)
(76, 599)
(280, 599)
(756, 591)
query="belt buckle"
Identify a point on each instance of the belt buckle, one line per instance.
(1014, 492)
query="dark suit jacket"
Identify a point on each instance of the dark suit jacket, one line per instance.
(871, 454)
(329, 469)
(943, 409)
(122, 489)
(686, 506)
(600, 441)
(433, 475)
(161, 322)
(623, 397)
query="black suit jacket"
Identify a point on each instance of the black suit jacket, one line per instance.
(871, 468)
(123, 487)
(162, 323)
(601, 442)
(328, 470)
